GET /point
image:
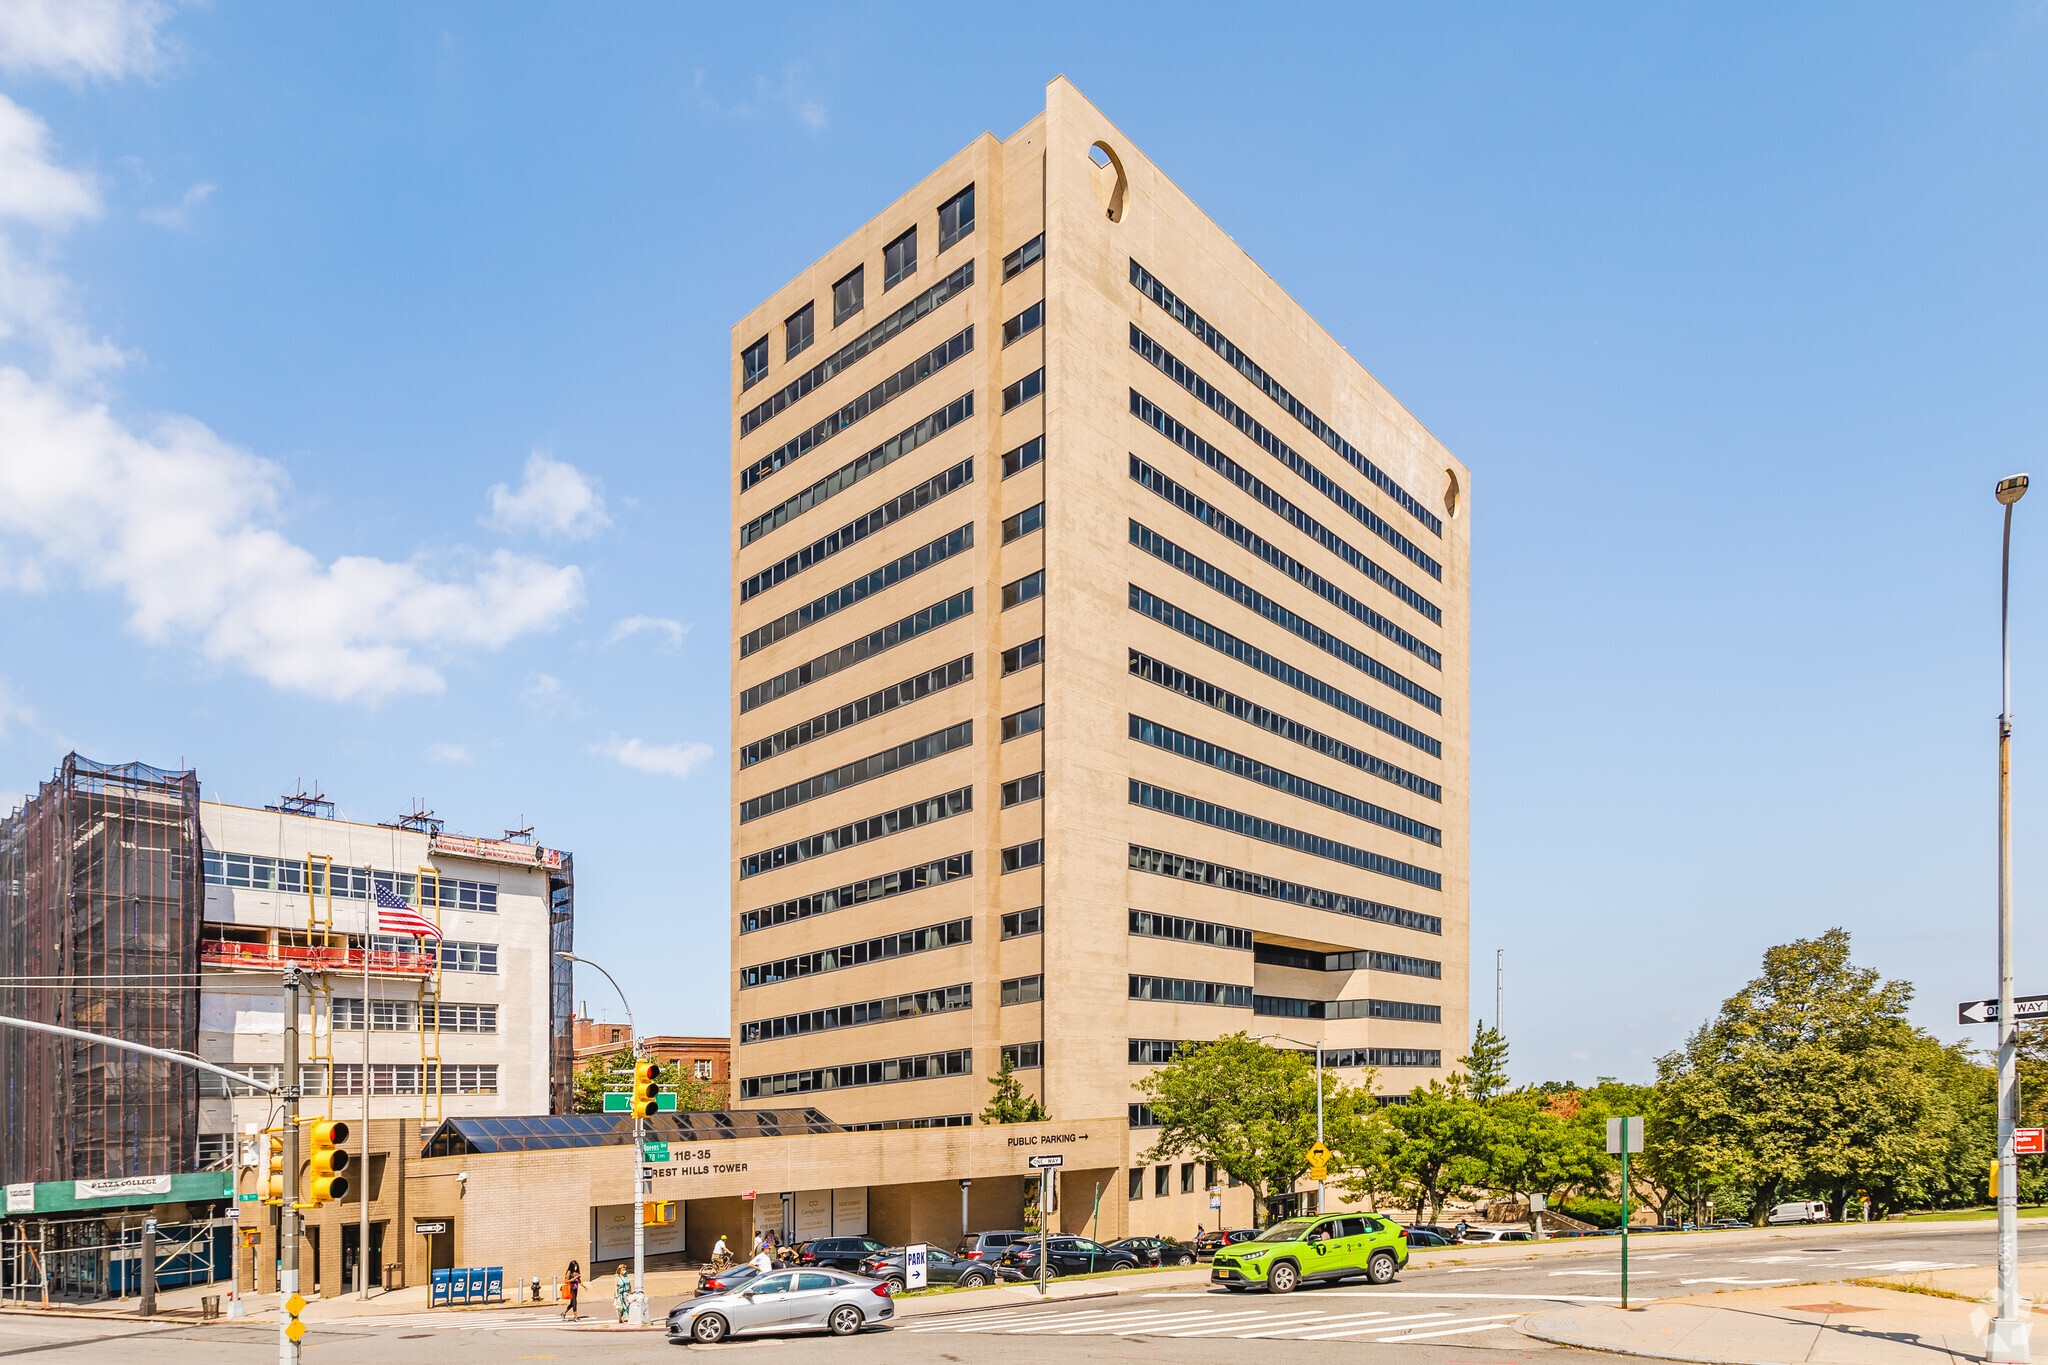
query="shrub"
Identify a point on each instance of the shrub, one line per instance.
(1601, 1213)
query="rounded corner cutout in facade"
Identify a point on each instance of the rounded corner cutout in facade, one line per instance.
(1111, 183)
(1452, 493)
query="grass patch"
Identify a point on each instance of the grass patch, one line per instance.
(1970, 1215)
(1929, 1290)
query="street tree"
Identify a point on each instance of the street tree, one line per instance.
(614, 1071)
(1010, 1104)
(1436, 1149)
(1486, 1065)
(1251, 1109)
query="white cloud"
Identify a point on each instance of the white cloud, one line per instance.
(633, 625)
(663, 760)
(445, 753)
(81, 38)
(180, 523)
(544, 695)
(789, 93)
(179, 215)
(33, 187)
(556, 499)
(12, 708)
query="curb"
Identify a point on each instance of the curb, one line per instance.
(1521, 1326)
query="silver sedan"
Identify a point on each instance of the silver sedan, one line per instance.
(785, 1301)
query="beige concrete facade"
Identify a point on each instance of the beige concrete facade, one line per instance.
(1334, 505)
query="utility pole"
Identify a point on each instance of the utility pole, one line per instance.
(1499, 981)
(288, 1216)
(2009, 1330)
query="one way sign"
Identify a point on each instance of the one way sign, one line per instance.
(1986, 1011)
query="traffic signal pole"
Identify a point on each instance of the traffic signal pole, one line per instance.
(2008, 1338)
(636, 1312)
(288, 1216)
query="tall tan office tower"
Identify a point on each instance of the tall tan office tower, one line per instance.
(1100, 660)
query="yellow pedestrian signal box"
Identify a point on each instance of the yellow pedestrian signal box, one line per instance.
(658, 1214)
(646, 1096)
(329, 1161)
(273, 1177)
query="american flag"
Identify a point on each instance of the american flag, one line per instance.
(394, 916)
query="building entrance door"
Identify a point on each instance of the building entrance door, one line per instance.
(351, 1254)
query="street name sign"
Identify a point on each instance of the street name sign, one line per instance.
(1046, 1161)
(621, 1102)
(654, 1151)
(1986, 1011)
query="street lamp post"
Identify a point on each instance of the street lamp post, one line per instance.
(636, 1311)
(2009, 1331)
(1320, 1206)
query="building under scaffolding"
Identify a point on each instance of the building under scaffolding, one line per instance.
(100, 904)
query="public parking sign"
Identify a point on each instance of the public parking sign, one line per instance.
(2030, 1141)
(1047, 1161)
(914, 1257)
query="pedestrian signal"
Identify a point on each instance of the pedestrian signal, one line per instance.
(658, 1214)
(329, 1161)
(646, 1095)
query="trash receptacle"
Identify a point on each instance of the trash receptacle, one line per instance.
(209, 1305)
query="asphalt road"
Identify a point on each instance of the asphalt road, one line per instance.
(1441, 1314)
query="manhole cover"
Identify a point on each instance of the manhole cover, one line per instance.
(1831, 1309)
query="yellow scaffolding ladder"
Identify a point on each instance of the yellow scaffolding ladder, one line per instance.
(430, 1002)
(320, 920)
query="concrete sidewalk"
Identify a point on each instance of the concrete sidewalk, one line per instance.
(1830, 1323)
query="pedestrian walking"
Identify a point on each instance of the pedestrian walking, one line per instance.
(572, 1282)
(762, 1261)
(622, 1291)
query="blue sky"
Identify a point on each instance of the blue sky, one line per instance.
(362, 420)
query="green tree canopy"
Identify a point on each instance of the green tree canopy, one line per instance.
(1010, 1104)
(1251, 1109)
(614, 1071)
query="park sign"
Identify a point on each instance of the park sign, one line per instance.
(1986, 1011)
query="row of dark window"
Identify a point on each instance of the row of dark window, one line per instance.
(865, 344)
(892, 759)
(1024, 523)
(928, 1066)
(874, 704)
(1351, 960)
(847, 655)
(1217, 402)
(1024, 390)
(901, 882)
(916, 815)
(1029, 854)
(1291, 1007)
(891, 1125)
(883, 948)
(1201, 329)
(1024, 456)
(1251, 713)
(859, 529)
(957, 541)
(1024, 923)
(1025, 323)
(1024, 589)
(1186, 992)
(1017, 658)
(1246, 539)
(1029, 721)
(1263, 493)
(1021, 790)
(874, 400)
(1145, 924)
(257, 872)
(1159, 1051)
(1024, 1056)
(849, 292)
(1209, 813)
(911, 1005)
(1023, 990)
(1211, 755)
(1023, 258)
(1216, 580)
(860, 467)
(1206, 873)
(1228, 645)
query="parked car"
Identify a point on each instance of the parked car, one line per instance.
(1338, 1248)
(732, 1277)
(1477, 1236)
(784, 1301)
(1729, 1223)
(839, 1253)
(1065, 1255)
(987, 1246)
(1210, 1242)
(1424, 1237)
(940, 1267)
(1804, 1211)
(1156, 1250)
(1450, 1235)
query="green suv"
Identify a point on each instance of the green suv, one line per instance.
(1327, 1249)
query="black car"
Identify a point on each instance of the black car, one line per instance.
(1065, 1255)
(987, 1246)
(1427, 1237)
(721, 1280)
(1156, 1250)
(841, 1253)
(940, 1267)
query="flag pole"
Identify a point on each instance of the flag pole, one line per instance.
(363, 1195)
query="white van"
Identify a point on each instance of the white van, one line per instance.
(1806, 1211)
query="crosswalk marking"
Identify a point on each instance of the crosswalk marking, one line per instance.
(1407, 1320)
(1447, 1332)
(1295, 1321)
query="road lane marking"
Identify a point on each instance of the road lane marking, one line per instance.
(1737, 1279)
(1448, 1332)
(1265, 1320)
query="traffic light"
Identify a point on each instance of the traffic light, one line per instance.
(646, 1097)
(329, 1161)
(272, 1190)
(659, 1213)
